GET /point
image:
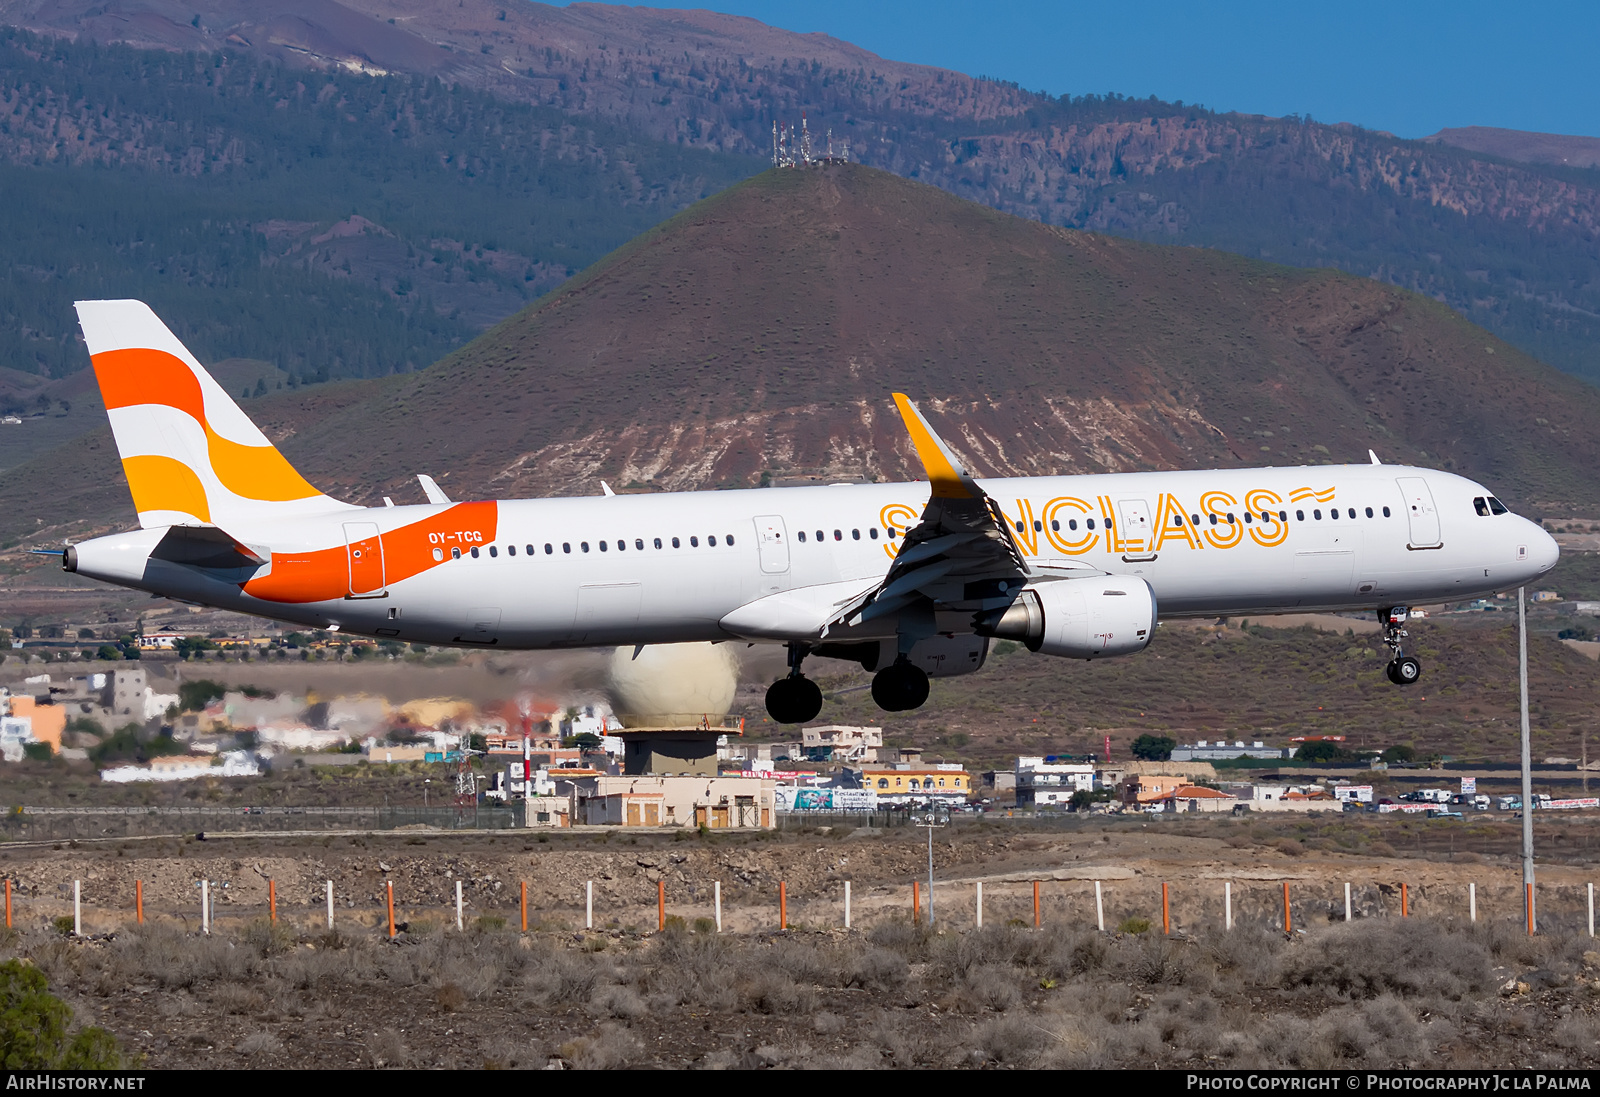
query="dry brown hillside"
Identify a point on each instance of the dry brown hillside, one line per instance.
(758, 336)
(761, 332)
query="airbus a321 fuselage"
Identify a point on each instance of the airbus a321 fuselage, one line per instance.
(911, 580)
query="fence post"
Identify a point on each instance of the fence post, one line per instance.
(459, 921)
(138, 901)
(330, 904)
(1347, 900)
(661, 905)
(1099, 908)
(77, 908)
(205, 906)
(524, 906)
(1288, 923)
(588, 904)
(1036, 922)
(388, 892)
(1166, 913)
(1405, 906)
(1591, 910)
(716, 894)
(1227, 905)
(783, 905)
(272, 900)
(980, 904)
(8, 902)
(1472, 902)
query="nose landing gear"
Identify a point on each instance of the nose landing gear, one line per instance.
(1403, 669)
(795, 699)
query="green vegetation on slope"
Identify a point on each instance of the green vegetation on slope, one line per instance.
(179, 178)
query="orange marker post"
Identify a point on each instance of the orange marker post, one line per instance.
(1405, 906)
(138, 901)
(1036, 922)
(1166, 911)
(388, 887)
(524, 906)
(661, 905)
(1288, 925)
(272, 900)
(1527, 905)
(916, 901)
(783, 904)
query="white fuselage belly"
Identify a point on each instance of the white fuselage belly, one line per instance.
(571, 597)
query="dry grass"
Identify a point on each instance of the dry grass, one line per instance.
(1378, 993)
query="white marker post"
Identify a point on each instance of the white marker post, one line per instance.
(459, 924)
(847, 904)
(1591, 910)
(980, 904)
(77, 909)
(716, 895)
(330, 904)
(205, 906)
(588, 904)
(1472, 902)
(1227, 905)
(1347, 900)
(1099, 908)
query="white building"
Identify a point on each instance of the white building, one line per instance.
(1222, 750)
(841, 743)
(1045, 782)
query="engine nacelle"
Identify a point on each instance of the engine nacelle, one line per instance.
(1087, 618)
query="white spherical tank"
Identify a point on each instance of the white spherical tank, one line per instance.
(673, 685)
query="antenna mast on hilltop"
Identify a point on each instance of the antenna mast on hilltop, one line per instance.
(805, 140)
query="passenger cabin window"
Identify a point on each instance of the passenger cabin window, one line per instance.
(1283, 516)
(1352, 512)
(712, 541)
(455, 554)
(855, 535)
(802, 537)
(1089, 523)
(511, 550)
(675, 543)
(1037, 525)
(729, 539)
(1497, 507)
(622, 544)
(602, 546)
(838, 536)
(1246, 517)
(1230, 518)
(474, 552)
(493, 552)
(1369, 512)
(891, 533)
(438, 555)
(1299, 516)
(638, 543)
(694, 542)
(1055, 525)
(1334, 514)
(873, 533)
(1194, 519)
(1386, 512)
(1317, 514)
(1019, 526)
(584, 545)
(658, 542)
(566, 546)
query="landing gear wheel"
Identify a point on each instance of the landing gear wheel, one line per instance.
(793, 700)
(1404, 670)
(900, 687)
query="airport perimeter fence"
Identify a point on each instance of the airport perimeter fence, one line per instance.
(68, 823)
(1115, 905)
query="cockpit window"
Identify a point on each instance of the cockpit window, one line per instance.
(1497, 506)
(1481, 505)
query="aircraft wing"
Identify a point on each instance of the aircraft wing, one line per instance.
(960, 554)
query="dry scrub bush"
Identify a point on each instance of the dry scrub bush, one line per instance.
(610, 1047)
(259, 1043)
(1412, 958)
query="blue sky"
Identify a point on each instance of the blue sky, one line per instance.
(1408, 67)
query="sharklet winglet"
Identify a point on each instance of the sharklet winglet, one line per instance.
(947, 476)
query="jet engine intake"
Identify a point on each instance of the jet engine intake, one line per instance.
(1087, 618)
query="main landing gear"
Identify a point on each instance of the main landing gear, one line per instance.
(795, 699)
(1403, 669)
(900, 686)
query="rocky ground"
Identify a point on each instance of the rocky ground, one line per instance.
(1429, 988)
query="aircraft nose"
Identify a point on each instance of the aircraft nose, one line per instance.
(1543, 552)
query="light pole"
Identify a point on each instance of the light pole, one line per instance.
(1527, 764)
(934, 815)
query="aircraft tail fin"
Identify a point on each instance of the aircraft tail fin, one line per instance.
(191, 455)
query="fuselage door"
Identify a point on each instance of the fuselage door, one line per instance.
(773, 541)
(1136, 535)
(364, 547)
(1424, 517)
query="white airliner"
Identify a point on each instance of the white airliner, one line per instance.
(912, 580)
